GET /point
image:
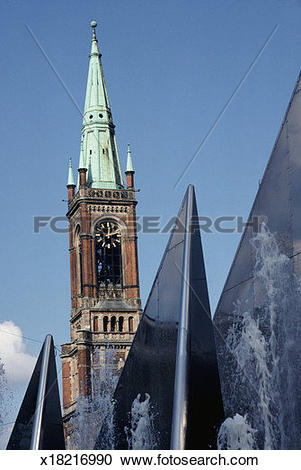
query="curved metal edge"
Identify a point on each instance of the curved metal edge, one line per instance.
(37, 423)
(180, 405)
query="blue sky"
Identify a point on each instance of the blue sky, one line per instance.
(170, 67)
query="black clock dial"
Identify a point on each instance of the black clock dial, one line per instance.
(108, 234)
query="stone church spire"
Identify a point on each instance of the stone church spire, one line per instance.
(99, 152)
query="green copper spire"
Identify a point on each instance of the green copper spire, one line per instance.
(99, 152)
(129, 163)
(70, 174)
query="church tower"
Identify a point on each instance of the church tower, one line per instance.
(105, 297)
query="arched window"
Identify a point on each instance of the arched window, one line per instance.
(108, 253)
(131, 324)
(120, 323)
(113, 323)
(105, 324)
(95, 324)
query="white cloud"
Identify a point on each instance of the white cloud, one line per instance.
(17, 362)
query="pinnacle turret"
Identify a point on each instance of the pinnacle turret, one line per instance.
(70, 174)
(129, 170)
(129, 163)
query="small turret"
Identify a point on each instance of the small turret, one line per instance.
(82, 170)
(129, 170)
(70, 182)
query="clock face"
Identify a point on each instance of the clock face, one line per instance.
(108, 234)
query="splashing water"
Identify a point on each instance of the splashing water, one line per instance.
(262, 371)
(141, 436)
(95, 413)
(7, 408)
(236, 434)
(2, 391)
(93, 423)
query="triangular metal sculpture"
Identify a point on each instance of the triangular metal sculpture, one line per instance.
(245, 297)
(39, 422)
(173, 357)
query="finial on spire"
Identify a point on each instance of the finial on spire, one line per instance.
(93, 25)
(70, 174)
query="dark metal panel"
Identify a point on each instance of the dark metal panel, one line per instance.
(39, 422)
